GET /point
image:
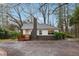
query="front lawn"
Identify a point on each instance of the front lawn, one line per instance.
(8, 40)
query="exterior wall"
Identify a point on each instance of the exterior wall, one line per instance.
(24, 32)
(27, 32)
(44, 32)
(56, 30)
(37, 32)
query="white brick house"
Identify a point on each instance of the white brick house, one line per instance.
(42, 29)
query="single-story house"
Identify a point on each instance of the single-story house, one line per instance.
(42, 29)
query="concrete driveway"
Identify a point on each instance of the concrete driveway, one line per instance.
(41, 48)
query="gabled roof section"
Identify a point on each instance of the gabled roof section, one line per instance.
(39, 26)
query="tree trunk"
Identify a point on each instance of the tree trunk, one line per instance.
(66, 30)
(34, 31)
(60, 18)
(76, 30)
(48, 14)
(44, 20)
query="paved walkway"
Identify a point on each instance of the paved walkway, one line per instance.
(41, 48)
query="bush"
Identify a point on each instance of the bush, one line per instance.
(14, 35)
(69, 35)
(2, 33)
(5, 34)
(59, 35)
(62, 35)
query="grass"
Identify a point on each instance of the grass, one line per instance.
(8, 40)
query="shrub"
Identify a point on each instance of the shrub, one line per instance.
(59, 35)
(62, 35)
(69, 35)
(5, 34)
(1, 35)
(14, 34)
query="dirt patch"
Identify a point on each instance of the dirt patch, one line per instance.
(3, 52)
(41, 48)
(12, 51)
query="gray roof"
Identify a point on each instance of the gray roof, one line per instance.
(39, 26)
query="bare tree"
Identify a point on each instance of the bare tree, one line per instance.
(17, 17)
(43, 11)
(60, 15)
(3, 15)
(66, 16)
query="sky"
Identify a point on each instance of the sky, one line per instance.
(37, 14)
(34, 7)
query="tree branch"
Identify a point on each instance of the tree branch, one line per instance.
(58, 7)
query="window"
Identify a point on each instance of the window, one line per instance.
(40, 32)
